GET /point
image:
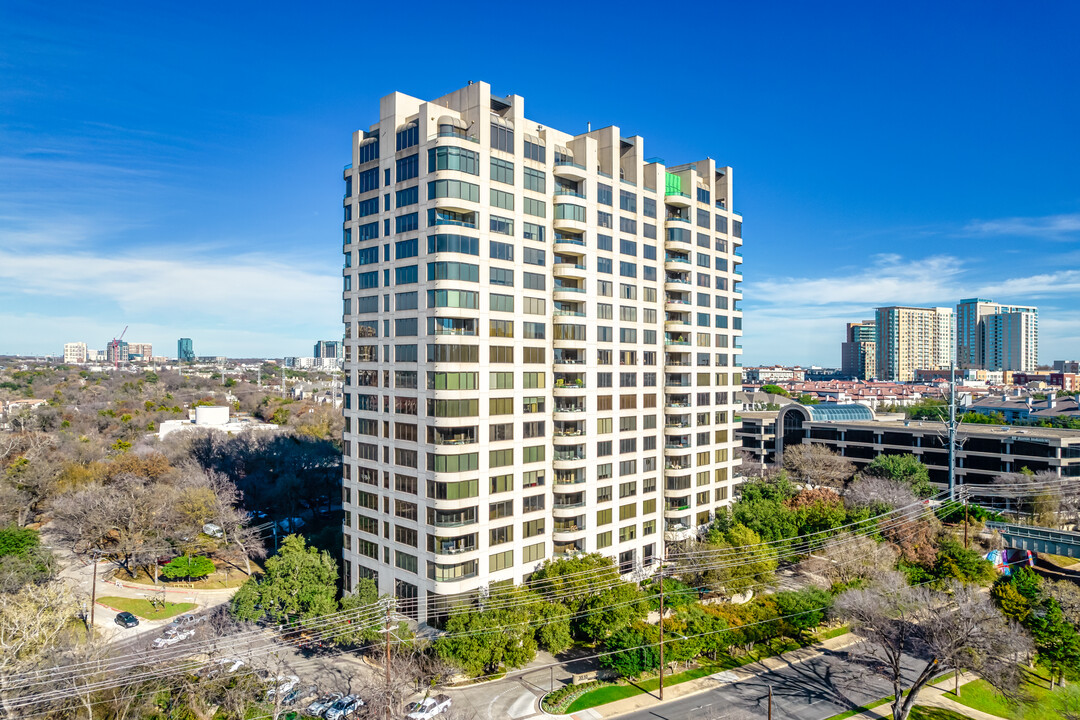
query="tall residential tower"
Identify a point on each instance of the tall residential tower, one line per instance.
(542, 347)
(912, 338)
(992, 336)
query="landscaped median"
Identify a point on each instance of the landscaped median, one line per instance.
(143, 609)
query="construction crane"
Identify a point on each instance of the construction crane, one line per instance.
(115, 345)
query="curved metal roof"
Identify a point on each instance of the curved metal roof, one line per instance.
(837, 412)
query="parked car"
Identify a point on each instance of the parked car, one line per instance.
(281, 684)
(126, 619)
(427, 708)
(346, 707)
(299, 694)
(319, 707)
(212, 530)
(186, 621)
(171, 637)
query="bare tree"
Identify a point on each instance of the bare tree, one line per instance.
(875, 491)
(848, 557)
(937, 631)
(818, 465)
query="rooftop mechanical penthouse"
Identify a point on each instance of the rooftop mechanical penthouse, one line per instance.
(542, 347)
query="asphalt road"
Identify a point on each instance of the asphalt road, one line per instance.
(812, 690)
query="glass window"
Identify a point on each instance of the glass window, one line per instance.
(535, 180)
(502, 171)
(603, 194)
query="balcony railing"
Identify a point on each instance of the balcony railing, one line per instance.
(677, 446)
(676, 193)
(460, 136)
(569, 408)
(570, 193)
(568, 239)
(677, 259)
(565, 288)
(568, 163)
(676, 218)
(568, 313)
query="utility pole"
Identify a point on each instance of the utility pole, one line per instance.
(93, 588)
(662, 549)
(963, 494)
(952, 431)
(389, 603)
(770, 702)
(282, 379)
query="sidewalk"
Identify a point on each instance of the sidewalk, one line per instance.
(692, 687)
(934, 696)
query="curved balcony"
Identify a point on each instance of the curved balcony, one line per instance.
(576, 271)
(678, 324)
(569, 360)
(570, 245)
(679, 430)
(567, 411)
(674, 221)
(676, 265)
(571, 531)
(456, 204)
(679, 199)
(568, 294)
(569, 225)
(564, 440)
(677, 383)
(569, 463)
(566, 343)
(677, 449)
(569, 170)
(676, 470)
(678, 242)
(677, 283)
(676, 304)
(569, 390)
(677, 358)
(567, 316)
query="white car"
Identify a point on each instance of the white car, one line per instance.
(282, 684)
(171, 637)
(320, 706)
(346, 707)
(427, 708)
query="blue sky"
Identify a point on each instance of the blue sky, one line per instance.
(177, 167)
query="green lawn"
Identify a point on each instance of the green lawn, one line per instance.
(928, 713)
(982, 696)
(143, 609)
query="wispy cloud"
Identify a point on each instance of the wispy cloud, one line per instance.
(238, 291)
(1050, 227)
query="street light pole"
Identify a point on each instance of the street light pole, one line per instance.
(662, 622)
(93, 588)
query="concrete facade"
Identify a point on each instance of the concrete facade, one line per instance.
(912, 338)
(75, 353)
(542, 347)
(859, 350)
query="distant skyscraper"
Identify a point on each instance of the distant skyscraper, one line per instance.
(140, 351)
(912, 338)
(992, 336)
(555, 325)
(185, 351)
(859, 350)
(328, 349)
(75, 353)
(117, 353)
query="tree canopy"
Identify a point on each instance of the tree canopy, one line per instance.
(300, 581)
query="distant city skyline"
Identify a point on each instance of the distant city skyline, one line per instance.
(202, 207)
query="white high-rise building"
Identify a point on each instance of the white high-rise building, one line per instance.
(75, 353)
(542, 347)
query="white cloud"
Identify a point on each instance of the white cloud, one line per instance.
(241, 292)
(1051, 227)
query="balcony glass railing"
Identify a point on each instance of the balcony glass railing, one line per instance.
(569, 456)
(569, 408)
(676, 218)
(566, 265)
(569, 163)
(574, 478)
(565, 288)
(459, 136)
(567, 313)
(570, 193)
(569, 239)
(677, 446)
(677, 259)
(569, 527)
(676, 193)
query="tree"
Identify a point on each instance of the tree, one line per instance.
(775, 390)
(816, 464)
(943, 630)
(481, 642)
(904, 468)
(633, 650)
(589, 587)
(848, 558)
(188, 567)
(817, 510)
(956, 562)
(299, 581)
(801, 610)
(879, 494)
(751, 563)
